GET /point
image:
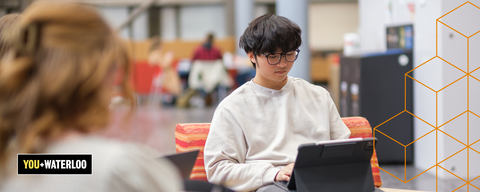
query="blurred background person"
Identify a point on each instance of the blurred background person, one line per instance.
(6, 25)
(208, 71)
(167, 79)
(206, 51)
(54, 94)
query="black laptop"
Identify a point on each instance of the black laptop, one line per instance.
(338, 165)
(184, 162)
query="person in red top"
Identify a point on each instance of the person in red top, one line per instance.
(207, 51)
(207, 71)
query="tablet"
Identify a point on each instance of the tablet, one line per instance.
(338, 165)
(184, 162)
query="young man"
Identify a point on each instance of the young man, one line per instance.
(256, 130)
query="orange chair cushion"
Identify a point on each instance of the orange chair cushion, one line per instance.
(359, 127)
(192, 136)
(189, 137)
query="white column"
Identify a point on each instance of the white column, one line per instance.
(423, 98)
(115, 16)
(453, 95)
(297, 11)
(169, 23)
(260, 10)
(372, 22)
(196, 21)
(244, 10)
(140, 27)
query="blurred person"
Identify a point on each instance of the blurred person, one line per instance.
(167, 77)
(207, 71)
(207, 51)
(54, 94)
(6, 25)
(256, 130)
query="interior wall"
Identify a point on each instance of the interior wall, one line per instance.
(372, 21)
(140, 27)
(424, 98)
(3, 12)
(168, 22)
(444, 109)
(260, 9)
(460, 52)
(198, 20)
(435, 105)
(328, 22)
(115, 16)
(181, 22)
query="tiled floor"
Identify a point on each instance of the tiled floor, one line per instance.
(156, 126)
(425, 182)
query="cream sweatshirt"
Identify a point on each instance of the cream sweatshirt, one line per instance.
(256, 131)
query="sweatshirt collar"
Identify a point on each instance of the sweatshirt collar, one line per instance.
(272, 92)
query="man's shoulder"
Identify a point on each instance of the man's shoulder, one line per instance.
(303, 84)
(238, 95)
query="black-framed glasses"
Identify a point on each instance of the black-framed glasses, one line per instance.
(274, 59)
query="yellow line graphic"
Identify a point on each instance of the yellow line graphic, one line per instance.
(436, 127)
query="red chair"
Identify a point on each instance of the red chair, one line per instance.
(143, 74)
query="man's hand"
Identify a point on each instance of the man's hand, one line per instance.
(284, 174)
(167, 59)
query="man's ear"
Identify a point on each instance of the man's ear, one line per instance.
(252, 58)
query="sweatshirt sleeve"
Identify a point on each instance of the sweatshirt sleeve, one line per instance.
(225, 152)
(338, 129)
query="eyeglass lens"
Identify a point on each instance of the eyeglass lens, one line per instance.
(275, 58)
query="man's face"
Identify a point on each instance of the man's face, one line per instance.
(268, 74)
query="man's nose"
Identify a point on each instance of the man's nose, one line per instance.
(282, 62)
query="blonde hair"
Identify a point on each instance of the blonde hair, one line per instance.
(54, 82)
(6, 25)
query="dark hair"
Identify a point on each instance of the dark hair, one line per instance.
(210, 37)
(155, 43)
(208, 44)
(269, 32)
